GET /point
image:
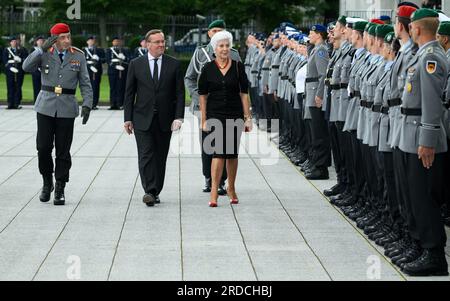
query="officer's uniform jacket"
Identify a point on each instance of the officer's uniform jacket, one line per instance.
(275, 68)
(317, 68)
(345, 63)
(425, 83)
(383, 145)
(67, 75)
(373, 116)
(265, 70)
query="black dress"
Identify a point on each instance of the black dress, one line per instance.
(224, 111)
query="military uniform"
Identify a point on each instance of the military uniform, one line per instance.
(13, 59)
(36, 78)
(117, 59)
(57, 107)
(95, 57)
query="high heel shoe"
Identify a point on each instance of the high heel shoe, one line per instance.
(234, 201)
(212, 204)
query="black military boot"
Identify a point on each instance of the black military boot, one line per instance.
(409, 255)
(207, 187)
(335, 190)
(432, 262)
(47, 188)
(60, 199)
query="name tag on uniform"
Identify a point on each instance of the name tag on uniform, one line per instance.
(75, 65)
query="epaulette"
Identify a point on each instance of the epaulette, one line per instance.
(73, 49)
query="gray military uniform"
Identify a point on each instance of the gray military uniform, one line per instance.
(426, 79)
(198, 60)
(373, 117)
(67, 75)
(383, 140)
(346, 63)
(316, 73)
(446, 119)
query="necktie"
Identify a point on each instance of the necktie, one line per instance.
(61, 56)
(155, 71)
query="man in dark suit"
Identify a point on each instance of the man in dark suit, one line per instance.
(153, 108)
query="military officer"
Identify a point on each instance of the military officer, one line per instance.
(315, 82)
(36, 76)
(117, 58)
(63, 68)
(95, 57)
(13, 57)
(265, 75)
(201, 56)
(444, 39)
(422, 144)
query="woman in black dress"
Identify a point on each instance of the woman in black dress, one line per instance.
(225, 112)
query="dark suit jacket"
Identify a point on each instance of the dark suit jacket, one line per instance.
(141, 93)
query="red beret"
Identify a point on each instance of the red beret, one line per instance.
(377, 21)
(405, 11)
(59, 28)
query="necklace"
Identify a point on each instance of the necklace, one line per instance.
(220, 67)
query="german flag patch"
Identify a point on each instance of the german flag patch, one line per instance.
(431, 66)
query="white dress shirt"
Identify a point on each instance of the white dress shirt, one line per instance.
(152, 62)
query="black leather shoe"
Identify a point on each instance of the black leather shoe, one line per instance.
(349, 201)
(409, 255)
(337, 197)
(432, 262)
(157, 200)
(60, 199)
(335, 190)
(149, 200)
(207, 187)
(47, 189)
(222, 190)
(318, 174)
(373, 228)
(358, 214)
(388, 239)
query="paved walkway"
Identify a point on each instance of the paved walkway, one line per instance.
(283, 229)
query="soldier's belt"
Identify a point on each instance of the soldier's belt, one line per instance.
(366, 104)
(394, 102)
(344, 86)
(411, 112)
(58, 90)
(266, 69)
(384, 110)
(285, 77)
(275, 66)
(248, 65)
(254, 72)
(312, 80)
(376, 108)
(335, 87)
(355, 94)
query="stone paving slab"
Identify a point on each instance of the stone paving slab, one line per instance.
(283, 228)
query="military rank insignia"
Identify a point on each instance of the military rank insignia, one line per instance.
(75, 65)
(431, 66)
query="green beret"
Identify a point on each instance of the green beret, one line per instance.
(383, 30)
(389, 37)
(342, 20)
(373, 29)
(368, 26)
(217, 23)
(360, 26)
(423, 13)
(444, 28)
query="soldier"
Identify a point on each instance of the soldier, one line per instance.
(201, 56)
(142, 49)
(423, 143)
(95, 57)
(117, 58)
(36, 76)
(265, 75)
(315, 82)
(444, 39)
(13, 57)
(63, 68)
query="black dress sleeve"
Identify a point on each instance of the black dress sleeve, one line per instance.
(243, 81)
(203, 88)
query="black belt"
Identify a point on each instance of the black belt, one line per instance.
(254, 72)
(447, 105)
(285, 77)
(275, 66)
(265, 69)
(394, 102)
(248, 65)
(376, 108)
(344, 86)
(385, 110)
(366, 104)
(355, 94)
(312, 80)
(335, 87)
(411, 112)
(58, 90)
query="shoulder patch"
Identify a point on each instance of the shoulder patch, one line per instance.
(322, 53)
(430, 50)
(73, 48)
(431, 66)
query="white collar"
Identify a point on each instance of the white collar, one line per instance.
(151, 57)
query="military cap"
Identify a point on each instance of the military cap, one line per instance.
(385, 18)
(389, 37)
(406, 3)
(373, 30)
(423, 13)
(360, 26)
(59, 28)
(276, 36)
(217, 24)
(382, 30)
(318, 28)
(405, 11)
(342, 20)
(331, 26)
(12, 38)
(91, 38)
(116, 38)
(39, 38)
(377, 21)
(444, 28)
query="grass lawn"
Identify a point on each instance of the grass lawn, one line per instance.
(27, 90)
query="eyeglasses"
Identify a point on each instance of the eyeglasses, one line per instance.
(158, 42)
